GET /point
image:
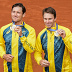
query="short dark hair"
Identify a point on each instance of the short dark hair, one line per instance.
(20, 5)
(49, 10)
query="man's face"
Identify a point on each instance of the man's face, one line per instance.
(17, 14)
(49, 20)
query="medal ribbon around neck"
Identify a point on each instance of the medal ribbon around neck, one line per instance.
(53, 29)
(18, 25)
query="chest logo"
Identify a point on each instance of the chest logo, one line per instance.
(8, 32)
(44, 36)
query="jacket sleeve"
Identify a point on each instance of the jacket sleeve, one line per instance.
(29, 41)
(38, 50)
(2, 44)
(68, 40)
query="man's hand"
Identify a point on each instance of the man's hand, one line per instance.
(18, 30)
(8, 57)
(44, 63)
(61, 33)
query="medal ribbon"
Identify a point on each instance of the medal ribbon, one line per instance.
(53, 29)
(18, 25)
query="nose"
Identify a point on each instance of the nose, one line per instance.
(15, 14)
(47, 21)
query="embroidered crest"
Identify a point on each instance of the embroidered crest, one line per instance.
(8, 32)
(44, 36)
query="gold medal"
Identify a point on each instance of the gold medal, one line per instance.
(56, 34)
(12, 27)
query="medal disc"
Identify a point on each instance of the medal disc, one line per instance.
(12, 27)
(56, 34)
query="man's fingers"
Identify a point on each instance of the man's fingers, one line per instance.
(44, 63)
(17, 29)
(10, 59)
(11, 55)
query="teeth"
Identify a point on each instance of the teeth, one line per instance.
(56, 34)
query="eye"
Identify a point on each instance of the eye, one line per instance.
(50, 18)
(45, 18)
(18, 12)
(13, 11)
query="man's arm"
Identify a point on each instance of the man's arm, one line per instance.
(38, 51)
(68, 42)
(7, 57)
(38, 54)
(67, 38)
(29, 41)
(2, 44)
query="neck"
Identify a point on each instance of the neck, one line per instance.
(18, 23)
(53, 25)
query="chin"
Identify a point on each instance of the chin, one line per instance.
(49, 26)
(14, 20)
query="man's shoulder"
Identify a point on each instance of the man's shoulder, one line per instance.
(62, 27)
(28, 27)
(41, 32)
(5, 26)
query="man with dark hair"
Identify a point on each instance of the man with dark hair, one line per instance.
(17, 42)
(20, 5)
(56, 42)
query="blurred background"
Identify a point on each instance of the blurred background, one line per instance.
(34, 17)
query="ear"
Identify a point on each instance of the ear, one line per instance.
(55, 19)
(24, 15)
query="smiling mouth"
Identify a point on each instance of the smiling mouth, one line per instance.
(15, 17)
(48, 24)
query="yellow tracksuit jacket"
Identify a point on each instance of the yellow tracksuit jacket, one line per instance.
(56, 50)
(20, 47)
